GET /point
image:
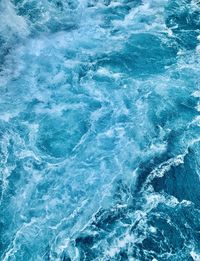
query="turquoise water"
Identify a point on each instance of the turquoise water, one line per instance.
(100, 130)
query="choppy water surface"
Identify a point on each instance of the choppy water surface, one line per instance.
(100, 130)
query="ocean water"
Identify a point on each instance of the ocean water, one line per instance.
(100, 130)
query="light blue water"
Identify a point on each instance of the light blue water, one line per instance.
(100, 130)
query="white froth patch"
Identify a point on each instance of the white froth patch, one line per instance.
(59, 77)
(196, 121)
(198, 107)
(186, 202)
(195, 256)
(198, 48)
(166, 166)
(9, 19)
(105, 72)
(196, 94)
(120, 244)
(158, 148)
(169, 32)
(36, 47)
(7, 116)
(152, 229)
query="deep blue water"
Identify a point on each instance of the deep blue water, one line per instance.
(100, 130)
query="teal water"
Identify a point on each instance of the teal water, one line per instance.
(100, 130)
